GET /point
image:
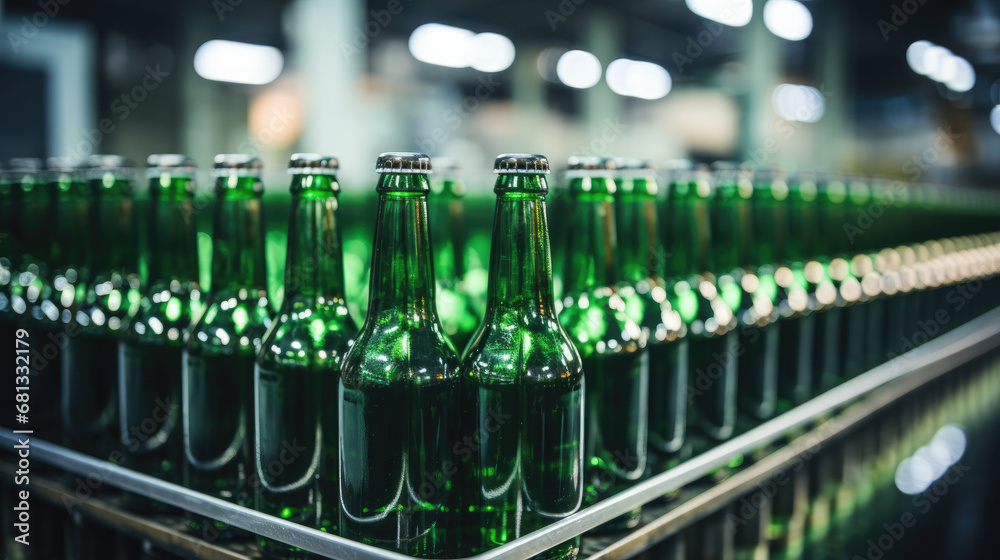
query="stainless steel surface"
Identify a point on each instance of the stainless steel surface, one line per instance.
(929, 360)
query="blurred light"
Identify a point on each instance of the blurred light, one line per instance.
(442, 45)
(915, 56)
(735, 13)
(547, 60)
(941, 65)
(578, 69)
(963, 78)
(239, 63)
(995, 118)
(492, 52)
(788, 19)
(916, 473)
(798, 103)
(933, 58)
(633, 78)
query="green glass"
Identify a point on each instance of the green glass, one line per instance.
(400, 440)
(707, 308)
(10, 210)
(446, 213)
(613, 347)
(854, 327)
(89, 359)
(220, 349)
(644, 291)
(299, 365)
(152, 346)
(523, 387)
(31, 290)
(741, 278)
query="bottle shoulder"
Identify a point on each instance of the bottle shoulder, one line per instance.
(394, 348)
(232, 319)
(597, 322)
(309, 336)
(522, 346)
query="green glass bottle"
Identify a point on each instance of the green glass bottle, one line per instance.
(9, 211)
(613, 346)
(400, 439)
(854, 331)
(111, 288)
(752, 289)
(299, 362)
(30, 290)
(152, 346)
(220, 348)
(709, 314)
(446, 215)
(522, 380)
(642, 259)
(64, 217)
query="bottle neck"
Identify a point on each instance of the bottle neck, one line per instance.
(732, 237)
(520, 261)
(71, 223)
(39, 200)
(689, 241)
(314, 266)
(238, 236)
(172, 234)
(640, 248)
(402, 273)
(114, 245)
(804, 243)
(770, 224)
(448, 215)
(592, 244)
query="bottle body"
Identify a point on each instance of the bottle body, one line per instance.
(523, 388)
(298, 367)
(397, 395)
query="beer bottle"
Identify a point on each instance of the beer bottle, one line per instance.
(8, 318)
(90, 371)
(60, 221)
(523, 384)
(151, 349)
(752, 290)
(711, 319)
(447, 216)
(220, 348)
(644, 291)
(829, 216)
(613, 347)
(30, 288)
(299, 361)
(400, 441)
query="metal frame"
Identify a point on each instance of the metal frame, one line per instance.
(919, 365)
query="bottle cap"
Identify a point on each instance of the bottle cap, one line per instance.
(237, 165)
(528, 164)
(176, 164)
(590, 166)
(24, 165)
(312, 164)
(403, 162)
(97, 166)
